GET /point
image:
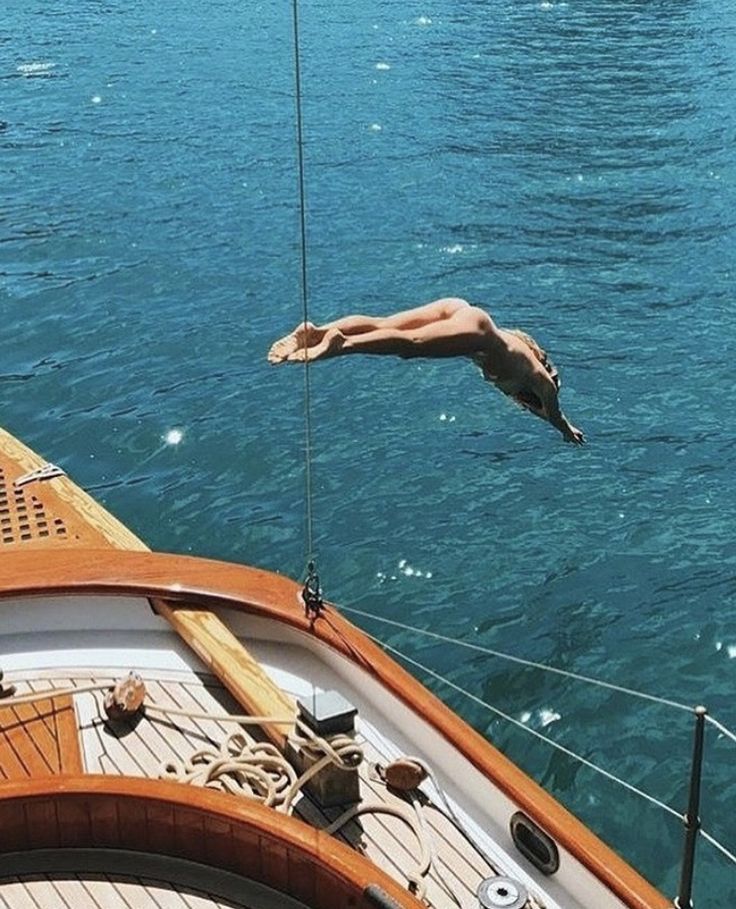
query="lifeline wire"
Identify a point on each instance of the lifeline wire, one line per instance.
(514, 659)
(577, 757)
(720, 727)
(305, 304)
(539, 735)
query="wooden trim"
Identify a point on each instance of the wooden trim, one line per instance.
(230, 661)
(39, 739)
(68, 736)
(165, 818)
(211, 584)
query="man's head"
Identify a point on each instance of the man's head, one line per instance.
(540, 354)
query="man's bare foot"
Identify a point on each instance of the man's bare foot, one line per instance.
(330, 345)
(304, 334)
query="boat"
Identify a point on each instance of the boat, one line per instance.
(179, 731)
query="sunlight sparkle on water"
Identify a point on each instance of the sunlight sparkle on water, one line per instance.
(173, 437)
(37, 68)
(547, 716)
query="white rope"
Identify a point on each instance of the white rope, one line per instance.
(515, 659)
(416, 876)
(255, 769)
(259, 770)
(720, 727)
(50, 693)
(234, 765)
(719, 846)
(539, 735)
(239, 719)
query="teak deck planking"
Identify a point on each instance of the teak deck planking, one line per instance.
(385, 840)
(39, 739)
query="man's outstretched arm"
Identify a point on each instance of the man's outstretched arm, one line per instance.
(556, 417)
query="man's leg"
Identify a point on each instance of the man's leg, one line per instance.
(307, 336)
(462, 334)
(409, 318)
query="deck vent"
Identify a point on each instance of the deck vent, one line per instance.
(501, 893)
(534, 844)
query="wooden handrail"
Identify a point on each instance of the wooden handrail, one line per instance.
(202, 825)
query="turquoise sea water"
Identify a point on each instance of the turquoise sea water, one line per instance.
(568, 165)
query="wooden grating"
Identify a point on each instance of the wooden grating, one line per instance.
(51, 512)
(24, 517)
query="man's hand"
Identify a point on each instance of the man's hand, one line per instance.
(573, 434)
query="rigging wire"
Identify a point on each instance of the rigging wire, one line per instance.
(531, 663)
(590, 680)
(309, 519)
(556, 745)
(719, 846)
(720, 727)
(534, 732)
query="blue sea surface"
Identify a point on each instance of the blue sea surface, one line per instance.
(571, 167)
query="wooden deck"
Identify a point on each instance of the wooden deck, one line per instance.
(39, 739)
(50, 513)
(386, 840)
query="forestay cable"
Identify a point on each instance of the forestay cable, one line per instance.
(304, 284)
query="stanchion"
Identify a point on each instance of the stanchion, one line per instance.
(692, 818)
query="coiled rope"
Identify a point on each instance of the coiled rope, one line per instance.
(258, 770)
(275, 782)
